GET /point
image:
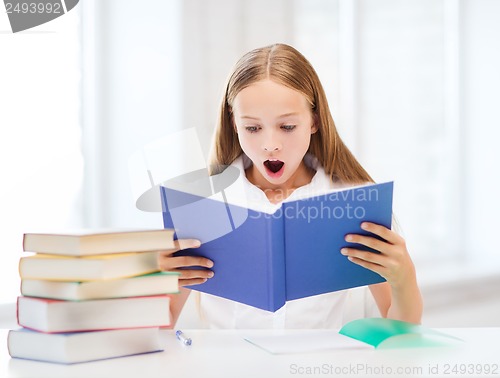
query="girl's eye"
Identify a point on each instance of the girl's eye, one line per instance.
(252, 129)
(288, 128)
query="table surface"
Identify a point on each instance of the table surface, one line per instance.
(225, 353)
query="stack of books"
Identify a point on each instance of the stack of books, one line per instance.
(90, 296)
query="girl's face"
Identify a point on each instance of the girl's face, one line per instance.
(274, 125)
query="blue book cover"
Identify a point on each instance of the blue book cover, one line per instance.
(264, 260)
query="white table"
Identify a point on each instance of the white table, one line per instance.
(227, 354)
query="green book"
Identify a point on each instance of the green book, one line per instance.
(389, 333)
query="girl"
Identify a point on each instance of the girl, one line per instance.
(276, 127)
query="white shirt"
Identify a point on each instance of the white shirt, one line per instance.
(330, 310)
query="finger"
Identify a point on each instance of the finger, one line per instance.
(183, 261)
(368, 241)
(382, 231)
(186, 243)
(181, 244)
(186, 274)
(368, 265)
(194, 281)
(169, 262)
(371, 257)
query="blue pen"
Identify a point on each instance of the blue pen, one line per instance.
(182, 337)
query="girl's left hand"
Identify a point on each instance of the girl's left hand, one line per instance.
(393, 262)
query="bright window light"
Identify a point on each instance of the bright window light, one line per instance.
(40, 153)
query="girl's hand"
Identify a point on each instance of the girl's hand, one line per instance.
(393, 262)
(169, 263)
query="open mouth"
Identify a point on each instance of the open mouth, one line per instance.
(274, 166)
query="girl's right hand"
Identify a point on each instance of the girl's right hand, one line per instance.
(169, 263)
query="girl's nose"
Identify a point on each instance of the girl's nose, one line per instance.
(266, 148)
(271, 143)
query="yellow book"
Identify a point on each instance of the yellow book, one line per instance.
(88, 268)
(145, 285)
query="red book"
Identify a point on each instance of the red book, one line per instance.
(51, 316)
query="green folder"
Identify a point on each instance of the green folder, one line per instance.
(388, 333)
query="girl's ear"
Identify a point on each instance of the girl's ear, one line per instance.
(314, 126)
(231, 119)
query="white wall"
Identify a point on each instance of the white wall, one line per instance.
(41, 163)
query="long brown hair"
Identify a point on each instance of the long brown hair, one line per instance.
(285, 65)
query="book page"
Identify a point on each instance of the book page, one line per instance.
(303, 341)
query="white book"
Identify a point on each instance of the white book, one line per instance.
(96, 242)
(48, 315)
(149, 284)
(70, 348)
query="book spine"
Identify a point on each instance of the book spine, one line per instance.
(276, 266)
(17, 311)
(9, 342)
(24, 242)
(167, 218)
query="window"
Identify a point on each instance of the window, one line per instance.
(402, 124)
(406, 82)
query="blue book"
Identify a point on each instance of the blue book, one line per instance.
(264, 260)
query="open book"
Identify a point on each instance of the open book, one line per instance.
(264, 260)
